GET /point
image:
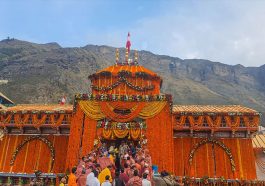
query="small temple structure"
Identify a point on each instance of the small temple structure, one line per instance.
(126, 103)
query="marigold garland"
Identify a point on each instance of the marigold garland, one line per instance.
(4, 120)
(254, 123)
(31, 138)
(100, 110)
(74, 139)
(214, 122)
(38, 122)
(120, 81)
(180, 122)
(135, 134)
(232, 122)
(20, 119)
(217, 142)
(196, 122)
(58, 122)
(107, 110)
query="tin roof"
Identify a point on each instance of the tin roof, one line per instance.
(213, 109)
(39, 108)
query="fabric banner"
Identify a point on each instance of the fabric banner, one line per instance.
(99, 110)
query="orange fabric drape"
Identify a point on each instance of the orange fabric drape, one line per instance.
(122, 104)
(107, 110)
(159, 134)
(89, 135)
(203, 162)
(74, 139)
(35, 155)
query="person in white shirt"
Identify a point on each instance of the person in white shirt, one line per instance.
(145, 181)
(91, 179)
(106, 182)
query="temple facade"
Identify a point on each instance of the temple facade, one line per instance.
(126, 103)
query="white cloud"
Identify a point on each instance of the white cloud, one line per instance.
(231, 32)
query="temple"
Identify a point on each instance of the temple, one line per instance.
(126, 103)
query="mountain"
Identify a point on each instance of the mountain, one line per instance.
(43, 73)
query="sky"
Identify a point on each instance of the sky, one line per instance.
(226, 31)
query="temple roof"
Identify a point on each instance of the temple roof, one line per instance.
(176, 108)
(39, 108)
(213, 109)
(259, 141)
(5, 100)
(133, 69)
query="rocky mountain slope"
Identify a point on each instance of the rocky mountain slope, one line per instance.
(43, 73)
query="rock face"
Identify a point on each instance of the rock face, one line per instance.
(43, 73)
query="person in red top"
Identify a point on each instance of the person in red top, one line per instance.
(72, 178)
(135, 180)
(123, 176)
(81, 181)
(126, 169)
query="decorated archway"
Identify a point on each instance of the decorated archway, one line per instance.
(29, 139)
(215, 142)
(122, 116)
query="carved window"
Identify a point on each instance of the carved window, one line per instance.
(242, 123)
(223, 122)
(47, 121)
(12, 120)
(187, 122)
(30, 119)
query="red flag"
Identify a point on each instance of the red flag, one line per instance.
(128, 43)
(63, 100)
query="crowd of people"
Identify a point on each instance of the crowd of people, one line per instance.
(124, 165)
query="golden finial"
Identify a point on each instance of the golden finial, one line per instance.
(117, 56)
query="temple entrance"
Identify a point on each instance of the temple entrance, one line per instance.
(117, 142)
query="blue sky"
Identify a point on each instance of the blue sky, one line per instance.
(231, 32)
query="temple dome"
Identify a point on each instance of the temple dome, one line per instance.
(125, 79)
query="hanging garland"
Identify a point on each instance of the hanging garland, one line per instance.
(35, 120)
(134, 134)
(125, 98)
(27, 140)
(33, 112)
(121, 126)
(213, 141)
(124, 73)
(115, 97)
(122, 79)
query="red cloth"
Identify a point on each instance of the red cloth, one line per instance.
(104, 162)
(82, 180)
(124, 177)
(135, 181)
